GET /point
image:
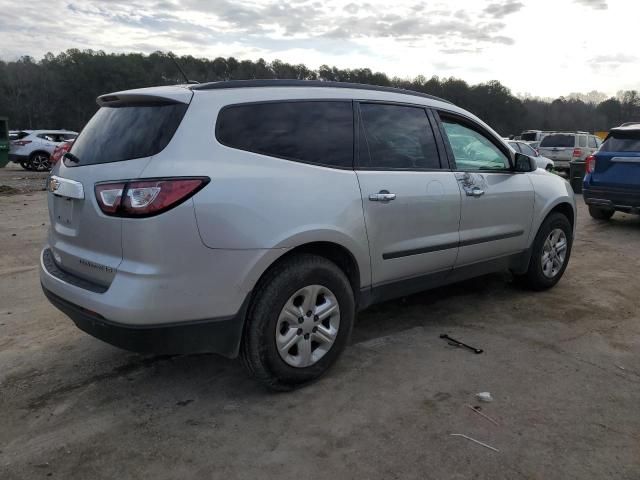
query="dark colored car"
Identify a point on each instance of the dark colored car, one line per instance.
(612, 180)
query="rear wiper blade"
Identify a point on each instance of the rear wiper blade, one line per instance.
(71, 157)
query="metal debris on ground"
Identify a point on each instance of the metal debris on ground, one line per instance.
(477, 410)
(475, 441)
(457, 343)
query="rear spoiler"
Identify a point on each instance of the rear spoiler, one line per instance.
(146, 97)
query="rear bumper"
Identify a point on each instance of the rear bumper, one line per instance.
(160, 314)
(623, 200)
(216, 335)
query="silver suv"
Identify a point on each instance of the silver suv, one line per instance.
(255, 218)
(32, 149)
(564, 147)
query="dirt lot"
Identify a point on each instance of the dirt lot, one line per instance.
(563, 367)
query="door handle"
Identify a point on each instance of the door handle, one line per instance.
(474, 192)
(382, 196)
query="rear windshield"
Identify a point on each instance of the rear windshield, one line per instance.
(558, 140)
(622, 142)
(122, 133)
(529, 137)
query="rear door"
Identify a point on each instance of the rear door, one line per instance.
(411, 201)
(618, 161)
(116, 144)
(558, 147)
(497, 203)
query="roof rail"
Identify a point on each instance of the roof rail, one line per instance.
(308, 83)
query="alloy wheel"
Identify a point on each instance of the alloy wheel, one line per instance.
(554, 252)
(307, 326)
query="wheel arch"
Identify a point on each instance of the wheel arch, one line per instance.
(332, 251)
(39, 151)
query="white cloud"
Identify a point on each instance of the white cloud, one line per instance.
(546, 47)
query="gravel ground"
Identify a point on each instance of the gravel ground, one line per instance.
(562, 366)
(14, 180)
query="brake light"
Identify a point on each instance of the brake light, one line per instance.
(577, 152)
(145, 198)
(590, 164)
(21, 143)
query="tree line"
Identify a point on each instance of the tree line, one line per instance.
(59, 91)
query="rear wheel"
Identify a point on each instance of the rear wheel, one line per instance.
(39, 162)
(550, 253)
(600, 213)
(299, 322)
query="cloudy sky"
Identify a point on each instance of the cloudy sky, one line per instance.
(537, 47)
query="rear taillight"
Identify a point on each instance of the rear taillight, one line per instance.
(590, 164)
(145, 198)
(21, 143)
(577, 152)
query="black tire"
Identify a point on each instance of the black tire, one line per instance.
(534, 278)
(39, 162)
(26, 164)
(258, 351)
(600, 213)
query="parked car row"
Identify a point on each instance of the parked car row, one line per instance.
(33, 149)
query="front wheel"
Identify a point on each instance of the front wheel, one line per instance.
(600, 213)
(299, 322)
(550, 253)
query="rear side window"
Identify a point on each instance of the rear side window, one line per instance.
(558, 140)
(622, 142)
(307, 131)
(592, 142)
(122, 133)
(396, 137)
(529, 136)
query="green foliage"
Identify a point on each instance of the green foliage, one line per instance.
(59, 91)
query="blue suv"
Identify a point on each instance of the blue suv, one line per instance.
(612, 180)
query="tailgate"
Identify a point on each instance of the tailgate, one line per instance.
(117, 144)
(617, 169)
(618, 160)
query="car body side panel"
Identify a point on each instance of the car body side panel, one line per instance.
(259, 202)
(550, 191)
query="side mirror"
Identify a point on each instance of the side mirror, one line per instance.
(524, 163)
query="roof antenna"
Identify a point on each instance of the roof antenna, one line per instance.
(186, 79)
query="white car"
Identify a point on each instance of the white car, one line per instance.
(32, 149)
(524, 147)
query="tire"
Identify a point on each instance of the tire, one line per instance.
(269, 325)
(26, 164)
(600, 213)
(39, 162)
(537, 276)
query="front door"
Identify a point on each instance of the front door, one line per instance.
(497, 203)
(411, 204)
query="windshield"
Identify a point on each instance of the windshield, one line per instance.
(115, 134)
(558, 140)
